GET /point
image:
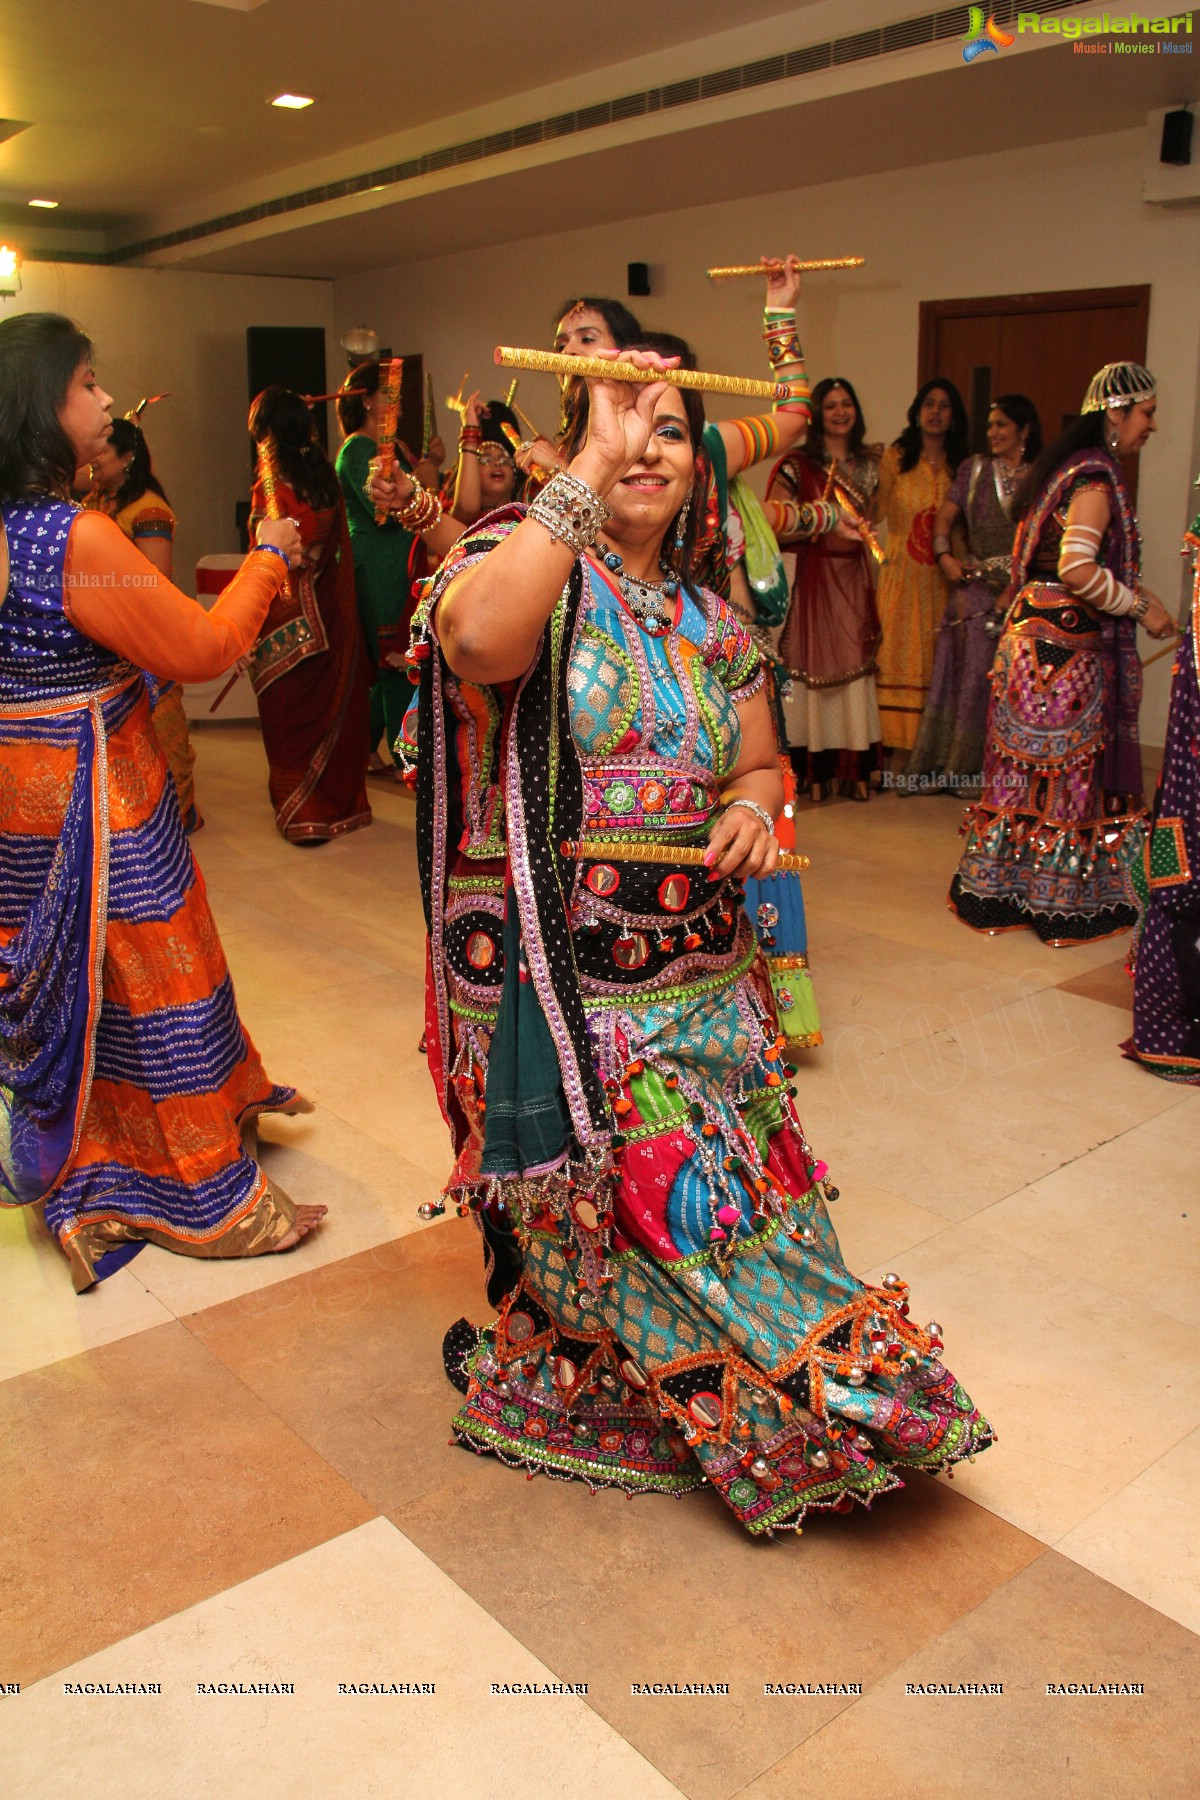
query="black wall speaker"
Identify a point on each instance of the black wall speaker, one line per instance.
(1176, 138)
(291, 356)
(639, 280)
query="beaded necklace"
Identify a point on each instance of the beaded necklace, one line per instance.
(650, 603)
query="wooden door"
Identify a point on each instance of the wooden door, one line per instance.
(1046, 346)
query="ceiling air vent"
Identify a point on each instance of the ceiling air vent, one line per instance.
(863, 46)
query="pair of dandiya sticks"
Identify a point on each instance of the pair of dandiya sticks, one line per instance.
(552, 362)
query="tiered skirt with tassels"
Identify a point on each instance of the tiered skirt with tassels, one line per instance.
(725, 1343)
(1042, 849)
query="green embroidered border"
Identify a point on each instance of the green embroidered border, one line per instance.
(680, 991)
(476, 884)
(529, 1454)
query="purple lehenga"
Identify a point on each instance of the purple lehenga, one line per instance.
(954, 723)
(1166, 987)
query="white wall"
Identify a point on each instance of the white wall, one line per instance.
(165, 330)
(1062, 216)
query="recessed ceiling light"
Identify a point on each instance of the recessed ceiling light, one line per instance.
(48, 204)
(293, 102)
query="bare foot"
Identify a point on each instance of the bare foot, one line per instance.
(306, 1218)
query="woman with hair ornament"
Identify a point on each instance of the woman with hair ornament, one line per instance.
(598, 774)
(126, 1079)
(1060, 824)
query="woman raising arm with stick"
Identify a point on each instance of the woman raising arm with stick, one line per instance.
(601, 1025)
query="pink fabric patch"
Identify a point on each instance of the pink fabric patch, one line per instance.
(786, 1163)
(648, 1174)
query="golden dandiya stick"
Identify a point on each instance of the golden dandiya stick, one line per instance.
(808, 268)
(429, 422)
(525, 419)
(511, 395)
(550, 362)
(268, 474)
(688, 856)
(1167, 650)
(513, 437)
(390, 376)
(455, 402)
(849, 504)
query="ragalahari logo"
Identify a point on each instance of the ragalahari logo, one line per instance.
(983, 37)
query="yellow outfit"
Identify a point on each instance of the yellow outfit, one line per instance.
(912, 593)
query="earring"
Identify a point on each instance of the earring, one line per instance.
(681, 523)
(1114, 438)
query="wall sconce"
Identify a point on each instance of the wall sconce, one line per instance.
(360, 344)
(10, 272)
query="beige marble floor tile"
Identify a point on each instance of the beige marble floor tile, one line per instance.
(372, 1194)
(1145, 1539)
(903, 897)
(1125, 1217)
(271, 967)
(366, 1606)
(1060, 1048)
(1053, 1623)
(875, 1225)
(868, 982)
(42, 1318)
(923, 1116)
(1081, 1403)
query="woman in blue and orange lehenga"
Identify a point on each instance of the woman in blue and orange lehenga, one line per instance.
(601, 1027)
(1060, 824)
(126, 1079)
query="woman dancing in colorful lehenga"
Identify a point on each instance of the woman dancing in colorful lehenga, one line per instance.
(1051, 843)
(598, 772)
(126, 1079)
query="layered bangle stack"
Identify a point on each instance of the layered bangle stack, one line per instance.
(784, 352)
(469, 440)
(421, 511)
(816, 518)
(570, 511)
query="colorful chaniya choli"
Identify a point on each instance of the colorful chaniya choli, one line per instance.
(124, 1070)
(1166, 984)
(1058, 829)
(602, 1033)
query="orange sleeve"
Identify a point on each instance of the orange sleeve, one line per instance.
(114, 595)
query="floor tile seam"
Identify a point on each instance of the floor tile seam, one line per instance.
(1079, 1156)
(1031, 997)
(191, 1606)
(1076, 1281)
(94, 1349)
(1059, 1542)
(286, 1424)
(909, 1650)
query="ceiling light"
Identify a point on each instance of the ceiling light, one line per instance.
(293, 102)
(48, 204)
